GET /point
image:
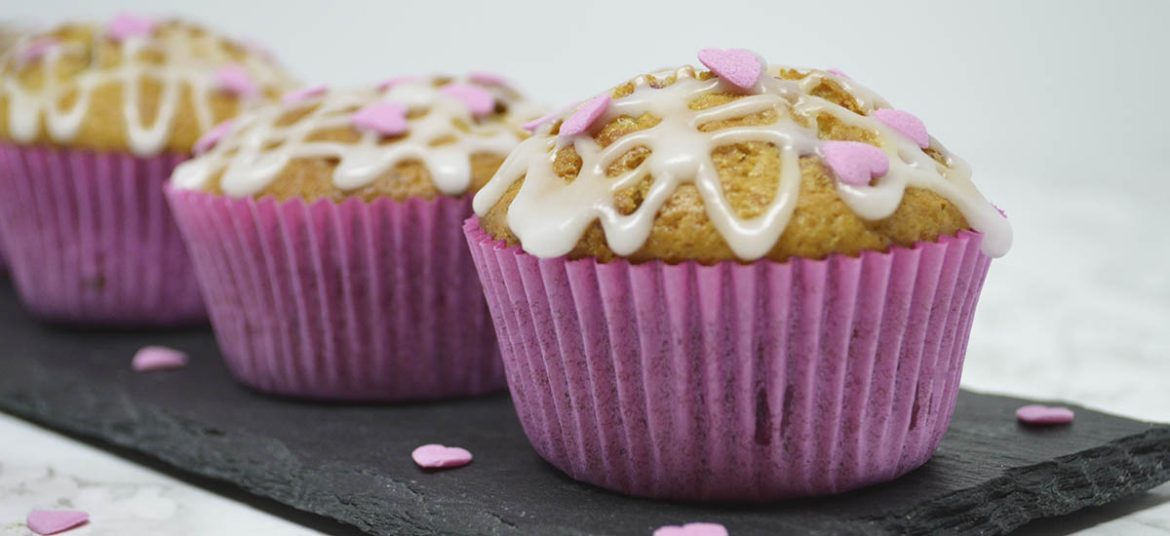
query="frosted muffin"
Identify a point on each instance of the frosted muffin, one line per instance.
(748, 283)
(326, 234)
(93, 119)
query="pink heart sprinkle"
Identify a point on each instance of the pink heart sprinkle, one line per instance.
(531, 126)
(1044, 415)
(838, 73)
(692, 529)
(487, 79)
(391, 82)
(585, 116)
(741, 68)
(152, 358)
(212, 137)
(905, 122)
(478, 100)
(46, 522)
(438, 456)
(234, 79)
(301, 95)
(126, 26)
(853, 162)
(385, 118)
(36, 49)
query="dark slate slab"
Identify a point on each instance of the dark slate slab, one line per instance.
(352, 463)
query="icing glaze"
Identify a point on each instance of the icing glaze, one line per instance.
(549, 215)
(195, 60)
(403, 119)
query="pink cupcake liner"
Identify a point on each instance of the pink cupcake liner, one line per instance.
(89, 238)
(734, 382)
(349, 301)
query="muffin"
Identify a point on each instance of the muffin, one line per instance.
(326, 233)
(746, 283)
(93, 118)
(9, 36)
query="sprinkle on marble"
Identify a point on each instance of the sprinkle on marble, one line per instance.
(855, 163)
(391, 82)
(47, 522)
(1038, 415)
(212, 137)
(905, 123)
(126, 26)
(487, 79)
(478, 100)
(692, 529)
(302, 95)
(235, 79)
(385, 118)
(586, 115)
(741, 68)
(35, 50)
(152, 358)
(435, 456)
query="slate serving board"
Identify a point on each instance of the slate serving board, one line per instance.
(352, 462)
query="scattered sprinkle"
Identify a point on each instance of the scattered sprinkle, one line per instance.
(906, 123)
(125, 26)
(234, 79)
(385, 118)
(152, 358)
(487, 79)
(46, 522)
(692, 529)
(1037, 415)
(585, 116)
(301, 95)
(436, 456)
(741, 68)
(853, 162)
(212, 137)
(477, 99)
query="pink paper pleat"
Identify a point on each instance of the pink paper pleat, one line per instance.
(90, 240)
(734, 382)
(349, 301)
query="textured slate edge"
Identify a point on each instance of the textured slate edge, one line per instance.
(1129, 465)
(265, 467)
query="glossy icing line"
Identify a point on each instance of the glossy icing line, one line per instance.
(436, 125)
(191, 61)
(549, 214)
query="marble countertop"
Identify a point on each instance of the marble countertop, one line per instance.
(1078, 311)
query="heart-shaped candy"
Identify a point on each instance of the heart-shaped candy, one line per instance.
(906, 123)
(385, 118)
(692, 529)
(853, 162)
(740, 68)
(55, 521)
(302, 95)
(477, 99)
(153, 358)
(125, 26)
(35, 50)
(436, 456)
(587, 114)
(1038, 415)
(234, 79)
(212, 137)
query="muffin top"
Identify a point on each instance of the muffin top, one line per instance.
(134, 84)
(742, 162)
(408, 137)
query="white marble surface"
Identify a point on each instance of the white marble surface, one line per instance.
(43, 470)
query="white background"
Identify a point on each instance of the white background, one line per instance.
(1062, 107)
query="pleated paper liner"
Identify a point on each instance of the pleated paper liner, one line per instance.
(90, 240)
(343, 301)
(734, 382)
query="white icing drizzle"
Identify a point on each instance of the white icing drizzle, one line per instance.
(549, 215)
(257, 149)
(191, 60)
